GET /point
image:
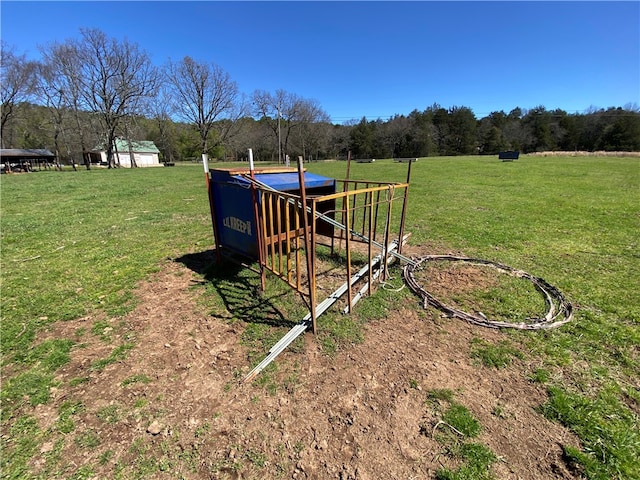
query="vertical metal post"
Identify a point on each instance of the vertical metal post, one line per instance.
(271, 232)
(312, 238)
(258, 228)
(348, 247)
(345, 188)
(375, 225)
(370, 242)
(287, 226)
(212, 209)
(404, 208)
(263, 226)
(353, 207)
(387, 228)
(279, 232)
(296, 213)
(364, 210)
(307, 245)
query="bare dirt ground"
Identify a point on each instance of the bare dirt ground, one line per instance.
(361, 414)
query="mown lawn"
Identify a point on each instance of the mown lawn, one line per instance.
(74, 243)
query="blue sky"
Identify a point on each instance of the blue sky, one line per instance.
(376, 59)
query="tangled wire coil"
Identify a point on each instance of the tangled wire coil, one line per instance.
(559, 310)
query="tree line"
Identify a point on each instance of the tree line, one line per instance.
(86, 92)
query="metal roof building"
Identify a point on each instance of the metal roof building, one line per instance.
(24, 159)
(145, 153)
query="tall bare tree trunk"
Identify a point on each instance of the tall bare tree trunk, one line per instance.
(132, 159)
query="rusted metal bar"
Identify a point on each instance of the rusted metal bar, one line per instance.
(353, 206)
(256, 216)
(387, 228)
(348, 247)
(307, 243)
(404, 206)
(282, 236)
(287, 221)
(283, 261)
(375, 225)
(312, 274)
(279, 232)
(364, 210)
(382, 186)
(345, 187)
(370, 244)
(265, 251)
(341, 226)
(298, 272)
(271, 232)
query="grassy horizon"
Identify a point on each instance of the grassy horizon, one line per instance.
(76, 243)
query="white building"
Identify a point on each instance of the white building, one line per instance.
(145, 153)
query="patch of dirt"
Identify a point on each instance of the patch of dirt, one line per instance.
(362, 414)
(454, 280)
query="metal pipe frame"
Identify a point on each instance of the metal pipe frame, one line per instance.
(282, 227)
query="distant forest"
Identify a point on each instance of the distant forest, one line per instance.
(87, 92)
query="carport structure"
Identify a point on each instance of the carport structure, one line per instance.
(18, 159)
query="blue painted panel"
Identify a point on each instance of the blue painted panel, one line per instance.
(234, 215)
(235, 218)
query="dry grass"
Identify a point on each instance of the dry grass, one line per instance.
(584, 154)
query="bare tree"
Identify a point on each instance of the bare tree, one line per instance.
(312, 122)
(130, 129)
(286, 112)
(204, 94)
(270, 108)
(50, 90)
(115, 78)
(161, 110)
(61, 78)
(17, 82)
(230, 129)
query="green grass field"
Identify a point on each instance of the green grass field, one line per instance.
(76, 243)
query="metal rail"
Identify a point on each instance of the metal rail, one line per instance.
(322, 307)
(333, 222)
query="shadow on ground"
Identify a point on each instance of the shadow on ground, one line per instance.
(238, 287)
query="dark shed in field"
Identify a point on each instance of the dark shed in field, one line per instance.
(18, 159)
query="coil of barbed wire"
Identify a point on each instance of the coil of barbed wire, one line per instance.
(559, 310)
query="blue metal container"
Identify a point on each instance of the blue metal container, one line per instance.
(232, 201)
